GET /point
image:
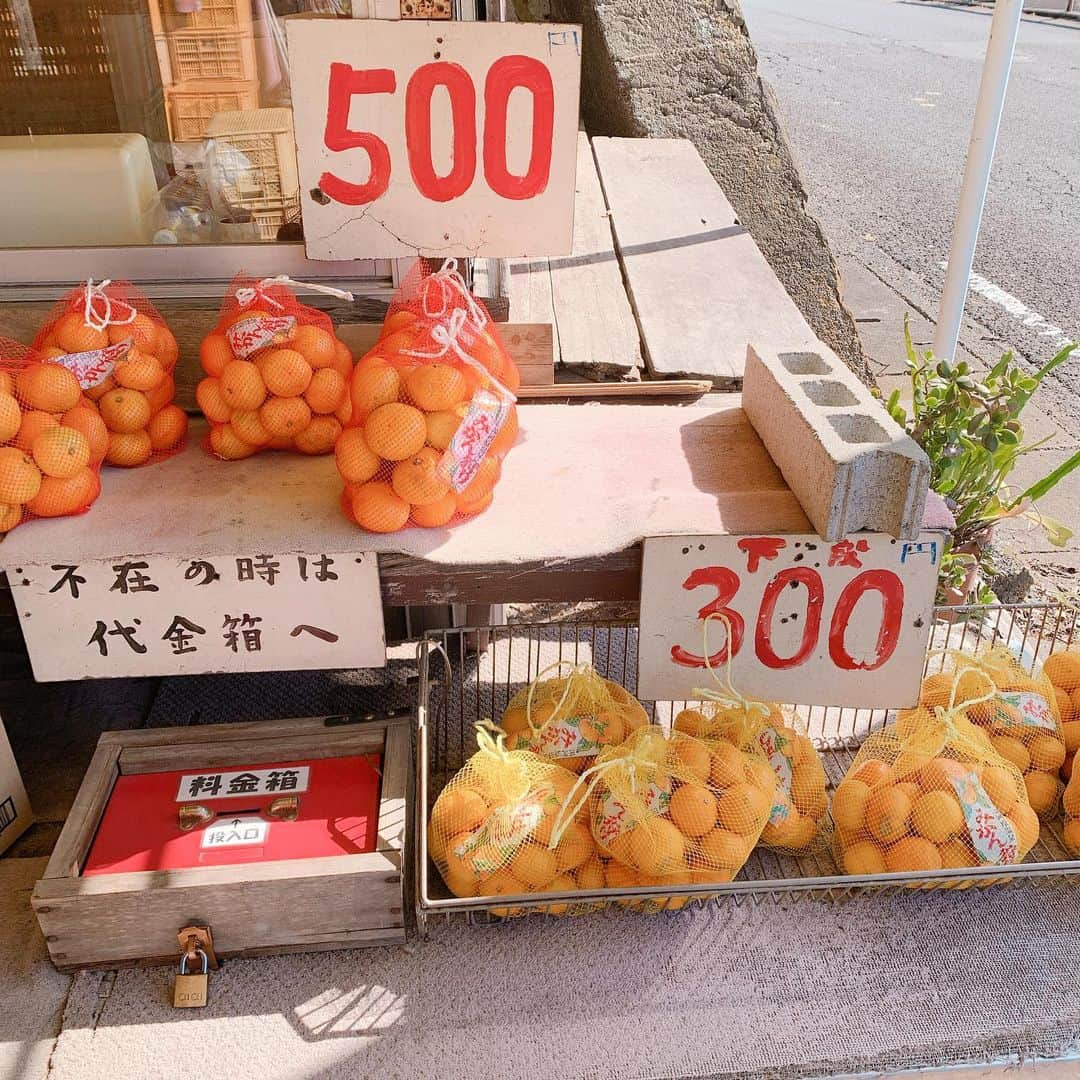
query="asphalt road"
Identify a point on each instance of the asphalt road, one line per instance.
(878, 98)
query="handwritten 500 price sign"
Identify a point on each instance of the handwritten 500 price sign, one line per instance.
(435, 138)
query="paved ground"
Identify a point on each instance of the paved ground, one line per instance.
(877, 97)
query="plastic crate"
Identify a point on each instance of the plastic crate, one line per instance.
(191, 107)
(213, 15)
(269, 221)
(200, 57)
(254, 157)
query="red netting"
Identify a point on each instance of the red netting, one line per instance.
(277, 376)
(123, 356)
(433, 410)
(52, 440)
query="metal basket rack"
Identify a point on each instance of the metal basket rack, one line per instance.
(469, 674)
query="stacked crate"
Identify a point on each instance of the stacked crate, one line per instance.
(207, 61)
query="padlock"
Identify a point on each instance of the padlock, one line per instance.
(190, 991)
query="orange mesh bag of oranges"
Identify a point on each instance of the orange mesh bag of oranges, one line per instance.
(671, 810)
(1022, 717)
(1062, 670)
(571, 717)
(930, 792)
(491, 828)
(433, 411)
(52, 440)
(112, 339)
(277, 376)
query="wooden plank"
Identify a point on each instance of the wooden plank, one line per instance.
(530, 297)
(687, 389)
(393, 792)
(596, 326)
(700, 288)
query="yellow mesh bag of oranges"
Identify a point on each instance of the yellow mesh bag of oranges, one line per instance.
(670, 810)
(433, 411)
(930, 792)
(491, 828)
(571, 717)
(277, 375)
(116, 344)
(1021, 717)
(52, 440)
(1062, 669)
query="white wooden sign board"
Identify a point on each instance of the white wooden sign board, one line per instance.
(435, 138)
(149, 615)
(813, 623)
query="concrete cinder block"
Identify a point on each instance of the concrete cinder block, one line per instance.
(849, 464)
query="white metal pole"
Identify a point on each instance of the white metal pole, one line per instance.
(980, 157)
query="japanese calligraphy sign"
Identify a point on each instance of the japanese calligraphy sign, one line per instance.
(811, 622)
(148, 615)
(235, 832)
(434, 138)
(243, 784)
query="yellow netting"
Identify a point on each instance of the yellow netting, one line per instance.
(1022, 717)
(670, 810)
(570, 718)
(1062, 670)
(930, 792)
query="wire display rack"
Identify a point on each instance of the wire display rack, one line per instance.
(469, 674)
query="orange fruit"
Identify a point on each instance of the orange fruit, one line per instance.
(242, 386)
(166, 349)
(283, 417)
(999, 784)
(375, 507)
(507, 435)
(849, 804)
(325, 391)
(723, 848)
(212, 402)
(48, 387)
(1070, 729)
(124, 411)
(167, 427)
(139, 371)
(1026, 823)
(726, 765)
(484, 480)
(214, 354)
(142, 330)
(743, 808)
(1063, 669)
(7, 381)
(249, 428)
(458, 810)
(442, 425)
(693, 809)
(344, 411)
(887, 813)
(417, 479)
(315, 345)
(74, 336)
(936, 816)
(400, 320)
(395, 431)
(373, 383)
(33, 424)
(162, 394)
(20, 478)
(95, 393)
(392, 344)
(285, 372)
(61, 496)
(434, 515)
(343, 361)
(319, 436)
(53, 352)
(85, 418)
(657, 847)
(1012, 750)
(281, 442)
(61, 451)
(471, 508)
(863, 858)
(10, 516)
(912, 854)
(10, 417)
(1043, 790)
(436, 387)
(228, 445)
(1071, 835)
(355, 461)
(129, 449)
(871, 772)
(1047, 753)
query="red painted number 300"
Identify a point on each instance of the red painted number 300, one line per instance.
(726, 583)
(507, 74)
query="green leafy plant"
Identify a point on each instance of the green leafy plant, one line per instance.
(970, 427)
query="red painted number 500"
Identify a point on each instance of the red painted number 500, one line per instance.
(507, 74)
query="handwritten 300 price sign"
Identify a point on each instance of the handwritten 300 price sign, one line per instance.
(805, 621)
(435, 138)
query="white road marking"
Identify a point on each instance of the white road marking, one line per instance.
(1016, 307)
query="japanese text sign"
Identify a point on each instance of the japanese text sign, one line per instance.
(435, 138)
(811, 623)
(149, 615)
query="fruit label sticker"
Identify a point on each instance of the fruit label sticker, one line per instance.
(94, 367)
(1033, 710)
(775, 747)
(992, 834)
(486, 415)
(502, 834)
(564, 738)
(613, 818)
(247, 336)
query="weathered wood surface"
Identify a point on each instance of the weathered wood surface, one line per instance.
(699, 287)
